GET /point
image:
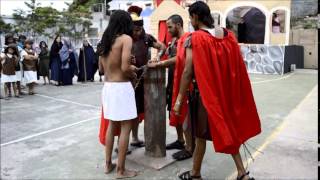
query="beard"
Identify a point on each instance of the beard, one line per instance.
(174, 34)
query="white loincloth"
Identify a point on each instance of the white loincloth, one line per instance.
(118, 101)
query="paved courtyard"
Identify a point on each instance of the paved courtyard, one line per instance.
(54, 134)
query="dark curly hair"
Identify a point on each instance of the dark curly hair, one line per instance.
(7, 37)
(43, 42)
(14, 47)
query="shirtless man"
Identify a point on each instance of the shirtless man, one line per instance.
(118, 97)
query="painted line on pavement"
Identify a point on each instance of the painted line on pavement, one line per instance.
(48, 131)
(55, 129)
(89, 84)
(271, 80)
(68, 101)
(273, 134)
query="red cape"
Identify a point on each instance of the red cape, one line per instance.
(164, 36)
(225, 90)
(179, 66)
(104, 123)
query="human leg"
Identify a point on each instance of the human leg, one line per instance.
(122, 172)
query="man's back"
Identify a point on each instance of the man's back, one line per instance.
(119, 106)
(225, 89)
(117, 62)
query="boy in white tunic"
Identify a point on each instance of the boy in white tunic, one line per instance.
(29, 61)
(9, 58)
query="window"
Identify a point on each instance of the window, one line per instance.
(278, 21)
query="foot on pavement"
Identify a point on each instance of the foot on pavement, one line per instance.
(175, 145)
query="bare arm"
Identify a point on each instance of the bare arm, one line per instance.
(101, 69)
(185, 80)
(126, 66)
(1, 59)
(16, 59)
(159, 45)
(30, 57)
(160, 64)
(36, 56)
(168, 62)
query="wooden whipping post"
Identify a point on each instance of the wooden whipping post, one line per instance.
(155, 112)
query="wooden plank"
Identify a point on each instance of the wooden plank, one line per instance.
(155, 113)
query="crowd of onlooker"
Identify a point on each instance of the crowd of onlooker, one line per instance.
(23, 63)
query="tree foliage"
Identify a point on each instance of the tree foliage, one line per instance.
(74, 21)
(4, 27)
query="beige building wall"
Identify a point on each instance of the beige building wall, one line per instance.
(284, 16)
(308, 38)
(223, 7)
(266, 6)
(278, 38)
(163, 12)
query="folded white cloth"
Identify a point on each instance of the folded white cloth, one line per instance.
(8, 78)
(18, 75)
(118, 101)
(30, 76)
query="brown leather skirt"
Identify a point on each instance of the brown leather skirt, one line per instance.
(199, 116)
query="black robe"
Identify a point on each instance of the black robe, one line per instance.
(87, 64)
